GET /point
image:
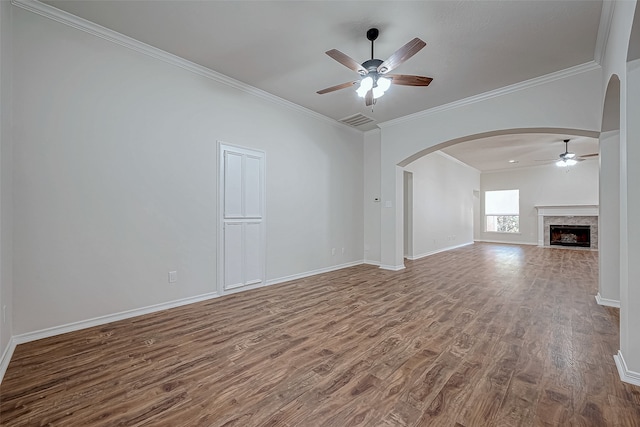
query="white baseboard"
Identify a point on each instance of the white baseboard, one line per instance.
(292, 277)
(607, 302)
(6, 357)
(415, 257)
(369, 262)
(502, 242)
(313, 272)
(392, 267)
(626, 375)
(101, 320)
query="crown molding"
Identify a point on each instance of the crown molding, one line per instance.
(536, 81)
(94, 29)
(604, 27)
(457, 161)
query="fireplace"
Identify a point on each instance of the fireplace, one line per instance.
(567, 215)
(570, 235)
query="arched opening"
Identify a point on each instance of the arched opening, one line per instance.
(448, 195)
(502, 132)
(609, 198)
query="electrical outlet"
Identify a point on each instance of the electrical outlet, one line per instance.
(342, 251)
(333, 251)
(173, 276)
(4, 314)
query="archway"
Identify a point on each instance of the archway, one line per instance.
(609, 195)
(443, 239)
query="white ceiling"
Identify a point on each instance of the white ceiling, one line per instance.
(278, 46)
(527, 150)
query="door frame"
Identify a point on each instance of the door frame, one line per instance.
(222, 147)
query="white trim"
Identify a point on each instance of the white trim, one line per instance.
(604, 29)
(6, 357)
(606, 301)
(626, 375)
(504, 242)
(426, 254)
(568, 210)
(536, 81)
(314, 272)
(108, 318)
(101, 320)
(460, 162)
(369, 262)
(392, 267)
(94, 29)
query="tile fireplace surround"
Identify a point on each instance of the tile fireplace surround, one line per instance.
(567, 215)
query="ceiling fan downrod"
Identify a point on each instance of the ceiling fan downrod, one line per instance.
(372, 35)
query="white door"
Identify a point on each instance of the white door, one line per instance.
(241, 252)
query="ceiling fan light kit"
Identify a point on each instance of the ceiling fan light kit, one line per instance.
(566, 162)
(375, 81)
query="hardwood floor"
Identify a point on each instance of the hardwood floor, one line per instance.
(484, 335)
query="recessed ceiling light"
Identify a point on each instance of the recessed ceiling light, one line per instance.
(513, 161)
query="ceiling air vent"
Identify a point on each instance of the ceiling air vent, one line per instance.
(356, 120)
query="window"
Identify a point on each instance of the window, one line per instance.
(502, 211)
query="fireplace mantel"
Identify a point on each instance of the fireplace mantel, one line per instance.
(567, 210)
(562, 210)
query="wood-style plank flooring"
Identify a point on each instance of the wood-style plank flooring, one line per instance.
(484, 335)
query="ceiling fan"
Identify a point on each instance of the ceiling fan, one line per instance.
(374, 80)
(569, 158)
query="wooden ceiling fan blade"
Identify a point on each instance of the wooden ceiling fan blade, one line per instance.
(401, 55)
(368, 99)
(407, 80)
(586, 156)
(336, 87)
(347, 61)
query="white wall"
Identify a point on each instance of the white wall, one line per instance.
(546, 185)
(6, 285)
(371, 193)
(115, 178)
(630, 289)
(442, 203)
(609, 219)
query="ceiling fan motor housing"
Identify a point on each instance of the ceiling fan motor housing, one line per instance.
(372, 65)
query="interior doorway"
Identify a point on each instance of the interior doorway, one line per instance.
(408, 214)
